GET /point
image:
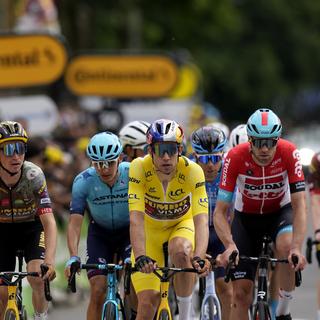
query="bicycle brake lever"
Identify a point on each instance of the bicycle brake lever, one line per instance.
(44, 268)
(297, 274)
(232, 259)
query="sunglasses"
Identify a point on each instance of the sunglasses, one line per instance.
(9, 149)
(214, 158)
(100, 165)
(259, 143)
(160, 149)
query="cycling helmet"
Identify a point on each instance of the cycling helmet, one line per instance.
(264, 123)
(238, 135)
(104, 146)
(221, 126)
(12, 130)
(207, 140)
(134, 134)
(164, 130)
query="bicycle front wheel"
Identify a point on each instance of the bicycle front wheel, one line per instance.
(211, 309)
(164, 315)
(111, 312)
(261, 312)
(24, 314)
(10, 315)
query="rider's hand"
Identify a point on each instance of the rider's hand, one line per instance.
(72, 260)
(301, 260)
(203, 266)
(145, 264)
(51, 273)
(222, 259)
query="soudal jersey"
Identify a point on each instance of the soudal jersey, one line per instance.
(261, 189)
(107, 206)
(28, 199)
(184, 197)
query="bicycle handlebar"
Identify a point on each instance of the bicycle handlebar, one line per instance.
(6, 276)
(234, 254)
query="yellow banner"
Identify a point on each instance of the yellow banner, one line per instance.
(121, 76)
(30, 60)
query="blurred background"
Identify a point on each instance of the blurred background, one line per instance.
(198, 62)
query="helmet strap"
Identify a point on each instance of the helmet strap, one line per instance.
(6, 170)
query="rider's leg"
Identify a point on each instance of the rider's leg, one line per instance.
(148, 301)
(40, 304)
(286, 274)
(224, 291)
(180, 250)
(97, 296)
(242, 299)
(3, 300)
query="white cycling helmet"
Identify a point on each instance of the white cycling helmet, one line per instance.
(221, 126)
(238, 135)
(134, 134)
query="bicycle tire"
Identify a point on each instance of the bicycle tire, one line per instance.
(111, 312)
(24, 314)
(164, 315)
(261, 313)
(10, 315)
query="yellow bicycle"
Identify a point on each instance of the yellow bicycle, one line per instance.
(15, 309)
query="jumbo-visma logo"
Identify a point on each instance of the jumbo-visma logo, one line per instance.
(31, 59)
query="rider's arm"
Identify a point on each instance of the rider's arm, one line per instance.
(50, 237)
(201, 234)
(73, 233)
(299, 219)
(137, 235)
(315, 211)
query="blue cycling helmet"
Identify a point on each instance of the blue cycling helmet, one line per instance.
(104, 146)
(164, 130)
(264, 123)
(206, 140)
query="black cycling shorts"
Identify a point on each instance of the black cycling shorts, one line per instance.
(26, 236)
(102, 245)
(247, 232)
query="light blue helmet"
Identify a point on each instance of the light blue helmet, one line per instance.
(104, 146)
(264, 123)
(206, 140)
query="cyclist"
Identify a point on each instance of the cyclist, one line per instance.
(270, 199)
(26, 218)
(314, 190)
(102, 190)
(133, 139)
(208, 145)
(238, 135)
(167, 203)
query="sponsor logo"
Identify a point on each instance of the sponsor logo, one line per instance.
(132, 179)
(181, 178)
(152, 196)
(297, 165)
(176, 193)
(200, 184)
(148, 174)
(102, 199)
(152, 189)
(204, 202)
(45, 200)
(275, 162)
(133, 196)
(225, 171)
(167, 211)
(270, 186)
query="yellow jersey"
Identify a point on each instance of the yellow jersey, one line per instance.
(184, 197)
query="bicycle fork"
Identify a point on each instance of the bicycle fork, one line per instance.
(164, 304)
(12, 299)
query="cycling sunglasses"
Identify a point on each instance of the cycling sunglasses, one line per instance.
(9, 149)
(100, 165)
(259, 143)
(214, 158)
(160, 149)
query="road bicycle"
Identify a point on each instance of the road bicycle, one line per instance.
(15, 309)
(310, 244)
(164, 274)
(261, 309)
(113, 307)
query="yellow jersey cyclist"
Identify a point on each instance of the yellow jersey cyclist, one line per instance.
(167, 203)
(26, 219)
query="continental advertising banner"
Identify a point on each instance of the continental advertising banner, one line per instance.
(31, 59)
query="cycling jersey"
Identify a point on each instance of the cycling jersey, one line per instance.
(26, 200)
(184, 197)
(108, 206)
(212, 189)
(314, 174)
(261, 189)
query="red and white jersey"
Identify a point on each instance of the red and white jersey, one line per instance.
(262, 189)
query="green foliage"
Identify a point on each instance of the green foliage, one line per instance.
(251, 52)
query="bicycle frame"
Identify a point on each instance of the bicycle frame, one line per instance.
(164, 302)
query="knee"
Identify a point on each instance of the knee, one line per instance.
(243, 297)
(98, 293)
(36, 283)
(180, 253)
(147, 305)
